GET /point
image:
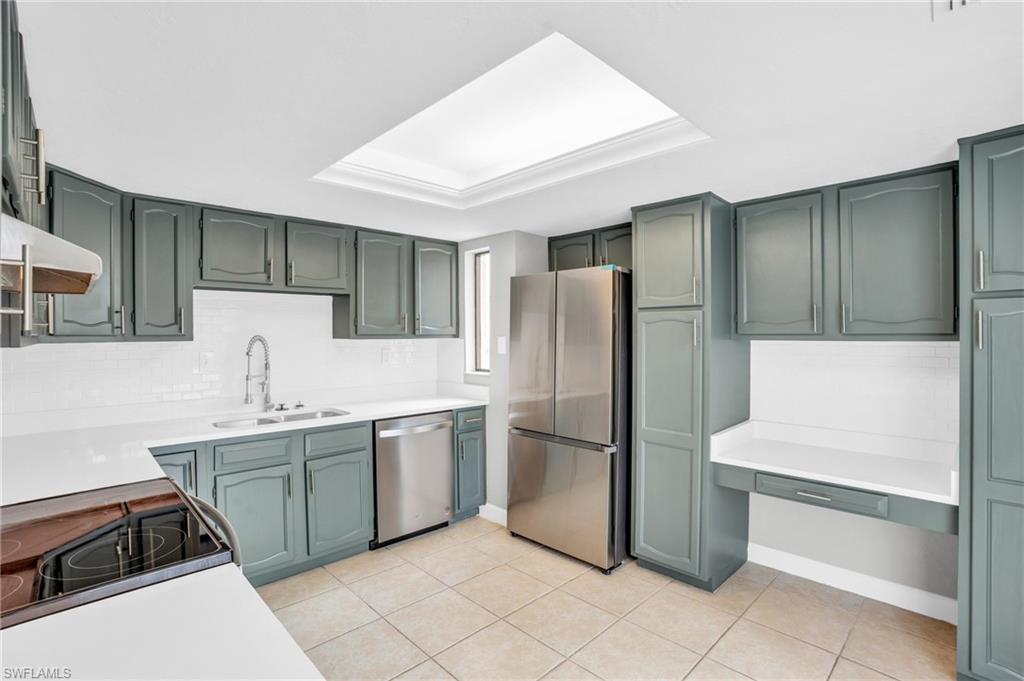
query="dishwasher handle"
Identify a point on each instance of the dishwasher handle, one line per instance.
(416, 430)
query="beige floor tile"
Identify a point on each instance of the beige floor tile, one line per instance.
(499, 652)
(363, 565)
(323, 617)
(396, 588)
(709, 670)
(822, 593)
(847, 670)
(502, 546)
(437, 622)
(456, 564)
(502, 590)
(373, 652)
(809, 620)
(617, 593)
(733, 597)
(762, 653)
(875, 612)
(423, 546)
(626, 651)
(899, 654)
(633, 569)
(471, 528)
(570, 671)
(428, 671)
(561, 621)
(683, 620)
(297, 588)
(550, 567)
(757, 573)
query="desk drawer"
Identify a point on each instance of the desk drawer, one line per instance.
(251, 454)
(338, 440)
(469, 419)
(823, 494)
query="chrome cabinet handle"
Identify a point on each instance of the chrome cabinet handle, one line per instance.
(462, 451)
(981, 330)
(49, 315)
(419, 326)
(289, 485)
(586, 261)
(189, 475)
(696, 333)
(291, 272)
(270, 264)
(843, 326)
(474, 420)
(312, 483)
(819, 497)
(130, 550)
(405, 321)
(121, 312)
(694, 290)
(814, 317)
(981, 270)
(181, 321)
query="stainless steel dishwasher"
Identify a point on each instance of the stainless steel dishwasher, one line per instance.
(414, 474)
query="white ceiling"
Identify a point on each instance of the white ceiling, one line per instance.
(242, 103)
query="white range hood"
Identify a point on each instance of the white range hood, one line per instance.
(58, 266)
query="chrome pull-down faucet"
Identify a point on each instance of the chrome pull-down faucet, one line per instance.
(268, 404)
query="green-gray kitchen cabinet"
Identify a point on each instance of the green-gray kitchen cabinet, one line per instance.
(997, 495)
(237, 248)
(339, 501)
(615, 246)
(998, 198)
(470, 472)
(668, 254)
(571, 252)
(161, 245)
(180, 467)
(896, 246)
(436, 288)
(319, 256)
(667, 441)
(383, 265)
(260, 506)
(89, 215)
(779, 266)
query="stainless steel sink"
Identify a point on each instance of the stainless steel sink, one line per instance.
(272, 418)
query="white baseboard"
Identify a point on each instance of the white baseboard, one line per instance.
(494, 514)
(902, 596)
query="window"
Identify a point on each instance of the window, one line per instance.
(478, 311)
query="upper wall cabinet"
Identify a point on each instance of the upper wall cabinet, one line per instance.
(319, 256)
(162, 263)
(778, 266)
(615, 246)
(896, 246)
(571, 252)
(997, 193)
(382, 289)
(667, 249)
(436, 288)
(236, 248)
(89, 215)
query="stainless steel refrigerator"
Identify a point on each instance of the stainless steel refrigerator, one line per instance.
(568, 443)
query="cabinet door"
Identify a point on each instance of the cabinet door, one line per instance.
(896, 247)
(161, 236)
(237, 248)
(472, 485)
(997, 503)
(259, 506)
(778, 266)
(615, 246)
(571, 252)
(9, 73)
(383, 262)
(998, 197)
(339, 501)
(181, 468)
(667, 249)
(318, 256)
(437, 288)
(89, 215)
(667, 455)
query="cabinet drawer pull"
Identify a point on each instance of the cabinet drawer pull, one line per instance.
(472, 420)
(811, 495)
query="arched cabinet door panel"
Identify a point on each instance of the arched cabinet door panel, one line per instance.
(238, 248)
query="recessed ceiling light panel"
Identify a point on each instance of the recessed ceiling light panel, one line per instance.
(548, 114)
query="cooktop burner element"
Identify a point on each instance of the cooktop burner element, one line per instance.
(65, 551)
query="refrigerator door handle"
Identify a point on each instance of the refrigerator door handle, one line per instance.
(567, 441)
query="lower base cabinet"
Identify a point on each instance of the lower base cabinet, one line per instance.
(260, 506)
(471, 489)
(339, 501)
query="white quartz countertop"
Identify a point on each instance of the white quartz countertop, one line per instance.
(909, 467)
(207, 625)
(59, 462)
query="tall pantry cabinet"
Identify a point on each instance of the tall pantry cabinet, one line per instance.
(691, 378)
(991, 571)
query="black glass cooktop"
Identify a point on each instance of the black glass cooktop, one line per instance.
(65, 551)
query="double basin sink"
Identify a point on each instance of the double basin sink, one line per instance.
(271, 418)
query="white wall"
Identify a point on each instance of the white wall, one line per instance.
(63, 385)
(893, 388)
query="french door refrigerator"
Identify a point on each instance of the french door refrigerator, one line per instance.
(568, 443)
